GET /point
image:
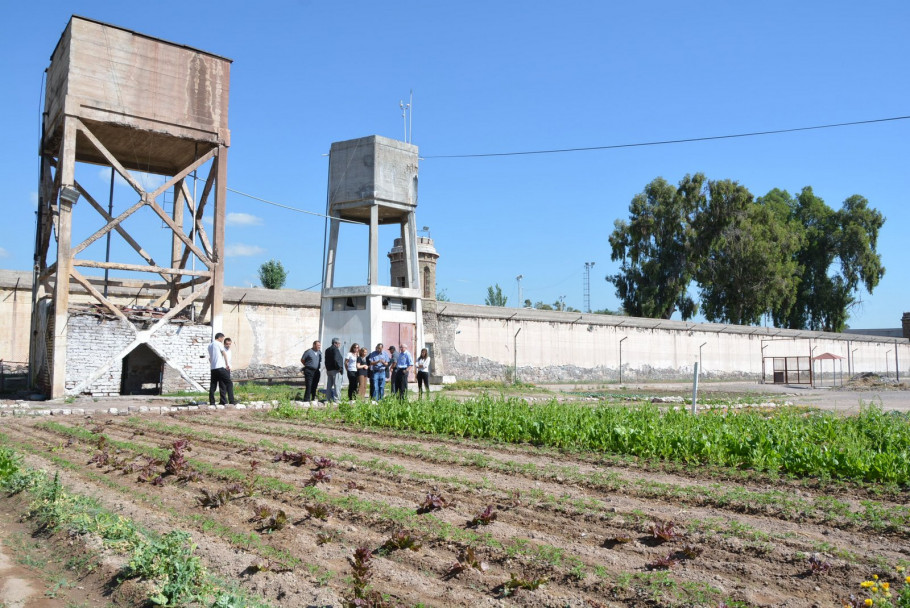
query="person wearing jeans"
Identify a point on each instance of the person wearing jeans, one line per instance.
(378, 362)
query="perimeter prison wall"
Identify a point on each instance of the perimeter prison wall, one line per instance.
(271, 328)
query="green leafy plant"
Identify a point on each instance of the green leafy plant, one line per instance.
(516, 582)
(9, 465)
(212, 499)
(170, 564)
(318, 511)
(401, 539)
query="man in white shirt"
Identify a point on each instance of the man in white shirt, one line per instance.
(220, 373)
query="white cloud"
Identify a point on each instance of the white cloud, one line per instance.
(242, 219)
(4, 253)
(237, 250)
(33, 197)
(208, 220)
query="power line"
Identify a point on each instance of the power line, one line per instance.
(298, 210)
(671, 141)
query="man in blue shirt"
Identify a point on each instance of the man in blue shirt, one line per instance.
(378, 362)
(403, 366)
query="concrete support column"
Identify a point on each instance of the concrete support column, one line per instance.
(373, 278)
(411, 252)
(329, 279)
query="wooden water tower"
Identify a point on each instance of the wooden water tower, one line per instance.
(120, 99)
(373, 181)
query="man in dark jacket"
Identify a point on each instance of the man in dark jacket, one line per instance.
(311, 361)
(334, 365)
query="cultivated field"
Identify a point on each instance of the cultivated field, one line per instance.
(484, 501)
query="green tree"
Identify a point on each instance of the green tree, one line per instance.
(495, 297)
(793, 258)
(656, 247)
(607, 311)
(746, 267)
(272, 274)
(839, 254)
(442, 296)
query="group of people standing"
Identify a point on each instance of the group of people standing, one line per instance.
(363, 369)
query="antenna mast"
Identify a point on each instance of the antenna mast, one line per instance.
(407, 117)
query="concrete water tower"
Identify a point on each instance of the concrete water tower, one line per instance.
(133, 103)
(373, 181)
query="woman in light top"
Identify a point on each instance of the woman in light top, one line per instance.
(363, 373)
(423, 372)
(350, 366)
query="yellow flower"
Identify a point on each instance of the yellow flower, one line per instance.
(907, 580)
(868, 602)
(866, 584)
(885, 585)
(899, 568)
(875, 577)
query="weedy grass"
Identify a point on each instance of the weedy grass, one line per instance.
(872, 446)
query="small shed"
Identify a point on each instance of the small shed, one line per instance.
(837, 369)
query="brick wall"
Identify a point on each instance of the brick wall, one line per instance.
(94, 341)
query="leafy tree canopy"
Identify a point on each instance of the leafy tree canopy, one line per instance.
(793, 258)
(495, 297)
(272, 274)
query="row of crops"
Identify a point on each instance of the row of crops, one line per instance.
(873, 446)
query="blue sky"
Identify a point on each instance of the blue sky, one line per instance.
(500, 77)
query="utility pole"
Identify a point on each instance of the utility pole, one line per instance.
(520, 301)
(587, 286)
